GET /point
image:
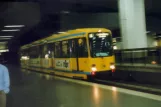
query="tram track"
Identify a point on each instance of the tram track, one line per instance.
(148, 88)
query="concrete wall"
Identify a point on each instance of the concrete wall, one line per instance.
(153, 23)
(119, 45)
(151, 41)
(148, 75)
(3, 46)
(159, 42)
(106, 20)
(73, 21)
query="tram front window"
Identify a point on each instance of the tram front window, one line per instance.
(100, 44)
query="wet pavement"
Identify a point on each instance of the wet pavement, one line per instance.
(36, 90)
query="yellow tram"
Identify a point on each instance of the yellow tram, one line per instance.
(80, 53)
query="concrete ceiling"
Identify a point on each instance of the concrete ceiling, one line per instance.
(42, 17)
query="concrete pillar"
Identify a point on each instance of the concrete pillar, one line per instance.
(132, 23)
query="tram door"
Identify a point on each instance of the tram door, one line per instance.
(82, 54)
(79, 54)
(73, 55)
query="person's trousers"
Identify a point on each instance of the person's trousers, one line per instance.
(2, 99)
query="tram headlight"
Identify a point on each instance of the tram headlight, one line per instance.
(94, 69)
(112, 66)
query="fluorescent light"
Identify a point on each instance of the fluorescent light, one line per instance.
(3, 42)
(14, 26)
(6, 36)
(65, 12)
(61, 32)
(6, 50)
(11, 30)
(114, 47)
(148, 31)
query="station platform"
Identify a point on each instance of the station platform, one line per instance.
(143, 73)
(140, 64)
(30, 89)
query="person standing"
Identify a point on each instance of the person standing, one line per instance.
(4, 84)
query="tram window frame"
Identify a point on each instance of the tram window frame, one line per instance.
(67, 55)
(58, 54)
(24, 52)
(41, 51)
(82, 51)
(34, 49)
(73, 54)
(51, 48)
(44, 50)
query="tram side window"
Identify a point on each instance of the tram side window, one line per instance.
(44, 51)
(41, 51)
(58, 53)
(34, 52)
(72, 48)
(65, 49)
(24, 53)
(82, 47)
(51, 50)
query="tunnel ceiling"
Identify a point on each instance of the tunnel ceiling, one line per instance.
(42, 17)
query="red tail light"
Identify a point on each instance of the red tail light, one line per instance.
(93, 73)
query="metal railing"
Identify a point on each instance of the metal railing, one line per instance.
(139, 56)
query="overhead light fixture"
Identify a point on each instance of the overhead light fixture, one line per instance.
(6, 36)
(114, 47)
(5, 50)
(3, 42)
(61, 32)
(14, 26)
(11, 30)
(65, 12)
